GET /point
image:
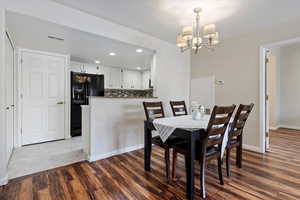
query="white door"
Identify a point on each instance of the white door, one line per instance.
(9, 96)
(43, 84)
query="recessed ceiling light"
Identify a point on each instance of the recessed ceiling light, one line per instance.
(139, 50)
(138, 68)
(112, 54)
(97, 61)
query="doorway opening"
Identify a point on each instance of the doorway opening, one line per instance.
(279, 101)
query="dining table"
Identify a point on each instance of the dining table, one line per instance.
(184, 128)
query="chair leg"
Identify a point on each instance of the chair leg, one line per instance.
(228, 162)
(202, 177)
(239, 156)
(174, 164)
(167, 162)
(220, 170)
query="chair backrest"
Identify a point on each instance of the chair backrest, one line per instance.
(153, 110)
(240, 119)
(218, 123)
(178, 108)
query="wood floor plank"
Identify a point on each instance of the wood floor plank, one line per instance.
(273, 176)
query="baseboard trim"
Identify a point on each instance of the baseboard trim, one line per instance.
(93, 158)
(4, 180)
(289, 127)
(251, 148)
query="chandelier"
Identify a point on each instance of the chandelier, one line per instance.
(190, 38)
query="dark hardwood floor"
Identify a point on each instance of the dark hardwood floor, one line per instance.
(275, 175)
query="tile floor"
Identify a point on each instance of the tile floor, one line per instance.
(39, 157)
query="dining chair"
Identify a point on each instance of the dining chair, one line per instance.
(235, 138)
(178, 108)
(209, 146)
(154, 110)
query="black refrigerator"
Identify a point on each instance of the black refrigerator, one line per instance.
(83, 85)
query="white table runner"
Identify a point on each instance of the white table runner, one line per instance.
(166, 126)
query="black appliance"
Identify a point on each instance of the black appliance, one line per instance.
(82, 86)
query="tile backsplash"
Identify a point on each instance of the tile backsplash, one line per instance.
(128, 93)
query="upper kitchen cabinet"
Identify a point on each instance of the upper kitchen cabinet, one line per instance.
(132, 79)
(146, 77)
(115, 78)
(86, 68)
(112, 77)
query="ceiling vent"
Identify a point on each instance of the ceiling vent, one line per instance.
(55, 38)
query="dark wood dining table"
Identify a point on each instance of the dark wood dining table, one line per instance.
(188, 135)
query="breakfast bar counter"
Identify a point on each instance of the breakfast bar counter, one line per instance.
(112, 125)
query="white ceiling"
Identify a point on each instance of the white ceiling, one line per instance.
(32, 33)
(165, 18)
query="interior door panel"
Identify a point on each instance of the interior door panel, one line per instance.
(43, 84)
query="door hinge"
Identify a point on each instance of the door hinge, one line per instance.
(21, 131)
(21, 60)
(21, 96)
(267, 60)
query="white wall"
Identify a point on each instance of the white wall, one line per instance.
(237, 62)
(171, 65)
(289, 86)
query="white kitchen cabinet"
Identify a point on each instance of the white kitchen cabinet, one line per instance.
(146, 75)
(132, 79)
(112, 77)
(115, 79)
(86, 68)
(106, 72)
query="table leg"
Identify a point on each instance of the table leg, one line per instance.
(147, 146)
(189, 166)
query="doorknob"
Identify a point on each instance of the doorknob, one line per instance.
(60, 102)
(7, 108)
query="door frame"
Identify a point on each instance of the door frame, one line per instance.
(262, 87)
(67, 130)
(11, 41)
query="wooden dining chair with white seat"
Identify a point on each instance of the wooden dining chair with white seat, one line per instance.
(154, 110)
(209, 146)
(235, 138)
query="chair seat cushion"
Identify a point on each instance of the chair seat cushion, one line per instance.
(181, 147)
(169, 142)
